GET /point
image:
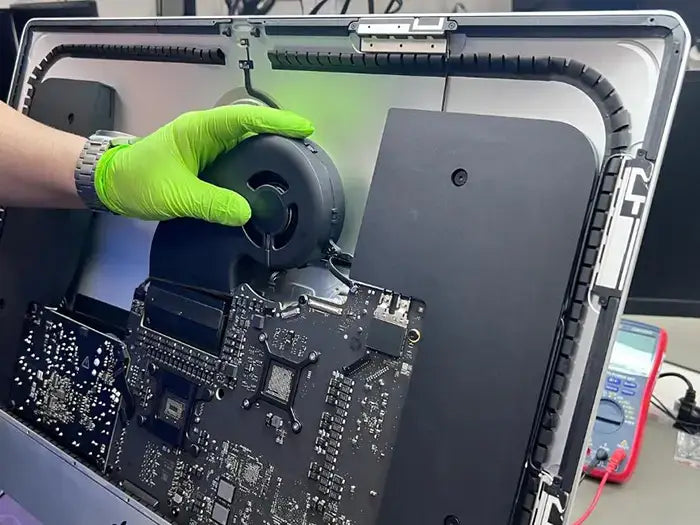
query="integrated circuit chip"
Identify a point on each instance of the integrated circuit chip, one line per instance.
(387, 338)
(280, 380)
(258, 321)
(172, 407)
(173, 410)
(230, 370)
(251, 473)
(225, 491)
(219, 514)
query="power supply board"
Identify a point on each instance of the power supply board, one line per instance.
(233, 409)
(67, 383)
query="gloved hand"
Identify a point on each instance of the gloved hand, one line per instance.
(156, 178)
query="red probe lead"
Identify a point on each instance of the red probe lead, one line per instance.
(617, 457)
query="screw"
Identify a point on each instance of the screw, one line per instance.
(255, 31)
(452, 520)
(246, 404)
(313, 357)
(296, 427)
(459, 177)
(262, 337)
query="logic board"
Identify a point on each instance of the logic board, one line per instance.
(257, 413)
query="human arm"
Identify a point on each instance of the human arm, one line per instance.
(36, 163)
(155, 178)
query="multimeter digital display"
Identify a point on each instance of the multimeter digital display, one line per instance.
(636, 357)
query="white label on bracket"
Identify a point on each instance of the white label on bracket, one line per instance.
(429, 24)
(402, 26)
(624, 224)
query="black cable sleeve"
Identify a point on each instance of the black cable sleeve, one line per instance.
(180, 54)
(616, 118)
(600, 90)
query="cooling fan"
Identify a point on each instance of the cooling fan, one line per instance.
(298, 206)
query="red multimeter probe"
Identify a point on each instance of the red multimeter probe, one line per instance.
(622, 414)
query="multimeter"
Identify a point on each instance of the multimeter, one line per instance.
(636, 357)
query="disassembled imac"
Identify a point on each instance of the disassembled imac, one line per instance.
(413, 327)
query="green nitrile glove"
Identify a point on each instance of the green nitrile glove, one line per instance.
(156, 178)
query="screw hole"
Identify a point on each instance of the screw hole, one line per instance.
(459, 177)
(219, 394)
(71, 118)
(652, 20)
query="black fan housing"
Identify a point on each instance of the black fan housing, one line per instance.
(297, 203)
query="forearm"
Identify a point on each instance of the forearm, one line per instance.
(37, 163)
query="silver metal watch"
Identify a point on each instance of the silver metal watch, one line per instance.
(94, 148)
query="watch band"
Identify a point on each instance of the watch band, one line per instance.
(93, 149)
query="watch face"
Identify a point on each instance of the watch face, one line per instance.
(121, 141)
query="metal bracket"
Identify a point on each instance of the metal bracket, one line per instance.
(623, 226)
(425, 35)
(410, 26)
(429, 45)
(245, 64)
(550, 502)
